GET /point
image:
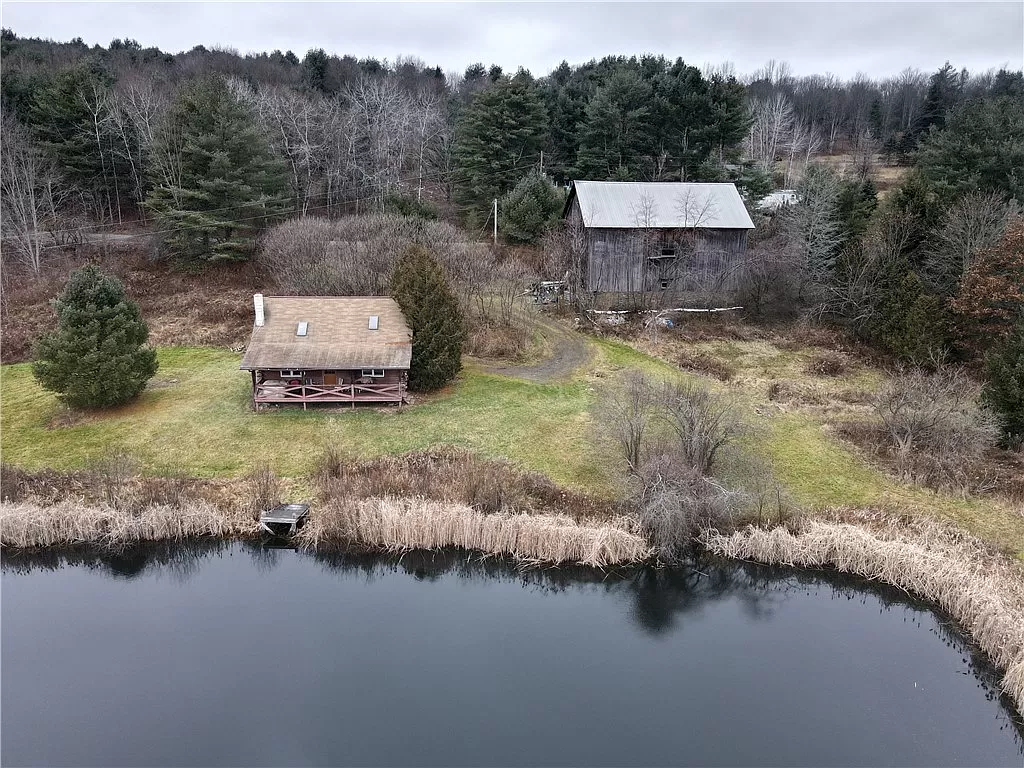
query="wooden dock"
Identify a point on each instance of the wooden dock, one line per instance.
(290, 515)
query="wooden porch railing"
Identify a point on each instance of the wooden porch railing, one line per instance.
(318, 393)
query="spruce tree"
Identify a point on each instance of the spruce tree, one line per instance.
(617, 138)
(96, 357)
(500, 134)
(432, 311)
(526, 212)
(221, 181)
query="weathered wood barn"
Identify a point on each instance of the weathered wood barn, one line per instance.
(657, 236)
(328, 349)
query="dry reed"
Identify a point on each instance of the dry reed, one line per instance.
(405, 524)
(32, 523)
(982, 589)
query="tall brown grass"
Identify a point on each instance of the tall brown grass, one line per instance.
(405, 524)
(31, 523)
(982, 589)
(452, 475)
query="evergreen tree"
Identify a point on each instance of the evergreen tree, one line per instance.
(616, 138)
(418, 285)
(1004, 387)
(314, 70)
(943, 93)
(525, 213)
(96, 357)
(221, 182)
(857, 201)
(909, 322)
(69, 116)
(500, 135)
(981, 148)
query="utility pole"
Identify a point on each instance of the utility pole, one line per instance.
(495, 221)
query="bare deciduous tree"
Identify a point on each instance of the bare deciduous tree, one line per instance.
(31, 199)
(935, 427)
(974, 223)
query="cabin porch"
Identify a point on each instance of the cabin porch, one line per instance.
(353, 387)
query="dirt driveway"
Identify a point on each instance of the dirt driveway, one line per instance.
(568, 351)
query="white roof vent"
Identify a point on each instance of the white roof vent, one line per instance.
(374, 322)
(302, 329)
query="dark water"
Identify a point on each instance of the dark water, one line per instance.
(227, 655)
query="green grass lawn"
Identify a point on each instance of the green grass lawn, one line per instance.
(196, 418)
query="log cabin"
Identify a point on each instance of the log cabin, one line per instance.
(678, 237)
(328, 349)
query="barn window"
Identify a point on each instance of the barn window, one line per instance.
(664, 285)
(668, 252)
(302, 329)
(291, 374)
(374, 322)
(373, 373)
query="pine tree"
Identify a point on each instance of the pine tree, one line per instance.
(432, 311)
(909, 323)
(981, 148)
(500, 135)
(96, 357)
(530, 209)
(220, 180)
(617, 138)
(1004, 388)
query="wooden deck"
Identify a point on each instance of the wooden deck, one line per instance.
(285, 515)
(315, 393)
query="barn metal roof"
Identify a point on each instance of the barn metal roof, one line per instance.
(660, 205)
(338, 335)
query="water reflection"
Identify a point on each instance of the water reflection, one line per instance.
(659, 602)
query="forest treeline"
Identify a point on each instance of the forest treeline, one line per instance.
(210, 146)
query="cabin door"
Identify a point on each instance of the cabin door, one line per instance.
(330, 379)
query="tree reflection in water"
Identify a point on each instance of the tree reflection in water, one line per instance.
(658, 599)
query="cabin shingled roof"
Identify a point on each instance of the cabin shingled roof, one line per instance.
(659, 205)
(338, 335)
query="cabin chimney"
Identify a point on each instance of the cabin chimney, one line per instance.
(257, 301)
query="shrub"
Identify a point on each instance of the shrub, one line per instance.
(408, 206)
(707, 364)
(1004, 388)
(96, 357)
(674, 502)
(702, 423)
(530, 209)
(433, 313)
(934, 425)
(828, 364)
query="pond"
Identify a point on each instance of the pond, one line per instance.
(231, 654)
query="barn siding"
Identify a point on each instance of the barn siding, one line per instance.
(617, 260)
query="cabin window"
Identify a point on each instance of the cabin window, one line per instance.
(668, 252)
(373, 373)
(302, 329)
(291, 374)
(374, 322)
(664, 285)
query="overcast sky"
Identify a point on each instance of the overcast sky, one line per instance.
(843, 38)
